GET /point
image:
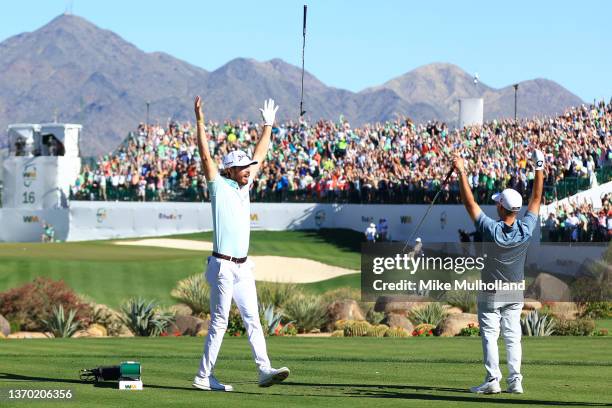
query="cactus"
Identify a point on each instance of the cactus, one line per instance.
(356, 329)
(378, 330)
(397, 332)
(338, 333)
(535, 324)
(340, 324)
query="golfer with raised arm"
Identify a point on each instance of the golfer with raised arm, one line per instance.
(229, 271)
(509, 238)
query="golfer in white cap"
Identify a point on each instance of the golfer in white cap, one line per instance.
(509, 238)
(229, 271)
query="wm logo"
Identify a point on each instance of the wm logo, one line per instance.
(31, 218)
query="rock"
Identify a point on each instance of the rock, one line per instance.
(452, 325)
(30, 335)
(400, 304)
(97, 330)
(187, 325)
(531, 304)
(181, 309)
(126, 333)
(343, 310)
(398, 320)
(547, 288)
(564, 310)
(80, 334)
(5, 326)
(452, 310)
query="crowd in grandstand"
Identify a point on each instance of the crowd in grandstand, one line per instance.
(392, 162)
(579, 222)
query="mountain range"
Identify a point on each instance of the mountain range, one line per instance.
(70, 70)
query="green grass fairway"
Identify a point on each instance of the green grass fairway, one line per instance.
(110, 274)
(357, 372)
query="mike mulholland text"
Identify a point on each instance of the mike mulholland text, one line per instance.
(434, 284)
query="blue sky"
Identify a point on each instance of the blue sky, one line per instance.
(356, 44)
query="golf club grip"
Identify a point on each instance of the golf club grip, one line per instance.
(304, 26)
(450, 173)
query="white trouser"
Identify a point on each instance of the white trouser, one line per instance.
(228, 279)
(492, 315)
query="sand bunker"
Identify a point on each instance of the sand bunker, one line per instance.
(267, 268)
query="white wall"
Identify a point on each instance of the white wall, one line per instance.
(108, 220)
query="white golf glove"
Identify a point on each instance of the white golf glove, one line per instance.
(538, 159)
(268, 113)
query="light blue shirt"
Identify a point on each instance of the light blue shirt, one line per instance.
(505, 246)
(231, 213)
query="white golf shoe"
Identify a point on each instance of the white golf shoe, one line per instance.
(487, 387)
(210, 383)
(515, 386)
(271, 376)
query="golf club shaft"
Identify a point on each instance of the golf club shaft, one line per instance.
(450, 172)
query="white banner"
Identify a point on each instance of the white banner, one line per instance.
(112, 220)
(19, 225)
(37, 183)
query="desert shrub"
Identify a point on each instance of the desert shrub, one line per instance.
(235, 325)
(144, 318)
(194, 292)
(397, 332)
(356, 329)
(423, 330)
(339, 324)
(341, 294)
(109, 318)
(60, 324)
(536, 324)
(378, 330)
(271, 320)
(306, 311)
(578, 327)
(463, 299)
(374, 317)
(597, 310)
(432, 313)
(30, 304)
(288, 330)
(470, 331)
(276, 293)
(338, 333)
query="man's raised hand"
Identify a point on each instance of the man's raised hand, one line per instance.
(538, 159)
(458, 163)
(268, 113)
(197, 107)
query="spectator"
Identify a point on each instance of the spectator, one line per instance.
(370, 233)
(391, 162)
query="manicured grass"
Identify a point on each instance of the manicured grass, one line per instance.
(338, 247)
(350, 281)
(604, 324)
(357, 372)
(110, 273)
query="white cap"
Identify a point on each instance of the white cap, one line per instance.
(372, 225)
(418, 239)
(237, 158)
(510, 199)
